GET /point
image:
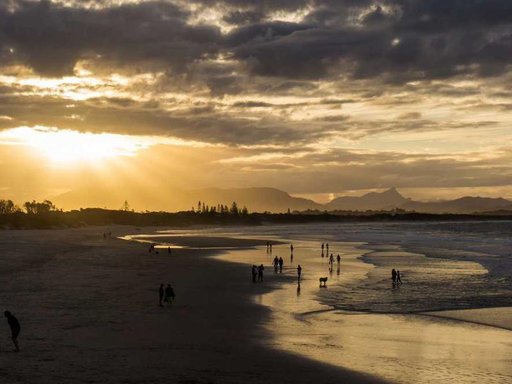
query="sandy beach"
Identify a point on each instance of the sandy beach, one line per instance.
(89, 313)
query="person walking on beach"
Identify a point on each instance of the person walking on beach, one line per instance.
(169, 250)
(322, 248)
(261, 268)
(270, 245)
(281, 262)
(14, 324)
(291, 249)
(331, 260)
(327, 248)
(275, 263)
(398, 279)
(161, 294)
(338, 258)
(254, 272)
(299, 272)
(393, 276)
(169, 294)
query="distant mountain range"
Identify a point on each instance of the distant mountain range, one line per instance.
(392, 199)
(270, 199)
(386, 200)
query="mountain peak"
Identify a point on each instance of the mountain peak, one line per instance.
(392, 192)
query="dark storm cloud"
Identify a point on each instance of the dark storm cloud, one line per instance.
(399, 40)
(51, 38)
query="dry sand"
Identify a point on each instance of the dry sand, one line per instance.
(89, 313)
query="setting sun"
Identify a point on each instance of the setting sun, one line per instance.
(64, 147)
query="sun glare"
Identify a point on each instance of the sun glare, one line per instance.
(64, 147)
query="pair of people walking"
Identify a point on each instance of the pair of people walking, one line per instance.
(166, 294)
(278, 264)
(395, 277)
(257, 273)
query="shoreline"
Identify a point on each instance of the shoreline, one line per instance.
(495, 317)
(88, 311)
(384, 327)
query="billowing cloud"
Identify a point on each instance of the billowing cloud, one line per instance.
(307, 95)
(51, 38)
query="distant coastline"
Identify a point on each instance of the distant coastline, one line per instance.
(97, 216)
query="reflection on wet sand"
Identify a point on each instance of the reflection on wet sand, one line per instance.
(403, 348)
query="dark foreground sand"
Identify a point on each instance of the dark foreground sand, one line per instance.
(89, 314)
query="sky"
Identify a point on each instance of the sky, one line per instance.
(319, 98)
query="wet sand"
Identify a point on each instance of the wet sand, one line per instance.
(89, 313)
(401, 348)
(495, 317)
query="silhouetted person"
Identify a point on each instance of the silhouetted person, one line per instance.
(331, 260)
(322, 248)
(393, 275)
(291, 249)
(169, 294)
(161, 294)
(281, 261)
(254, 272)
(276, 264)
(327, 248)
(398, 279)
(270, 247)
(299, 272)
(15, 328)
(169, 250)
(338, 258)
(261, 268)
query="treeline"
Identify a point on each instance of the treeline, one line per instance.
(46, 215)
(204, 208)
(7, 207)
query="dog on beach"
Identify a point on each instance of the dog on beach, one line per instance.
(323, 281)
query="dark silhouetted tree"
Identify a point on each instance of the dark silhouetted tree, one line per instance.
(126, 206)
(234, 209)
(7, 207)
(35, 208)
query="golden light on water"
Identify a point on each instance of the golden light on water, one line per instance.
(68, 147)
